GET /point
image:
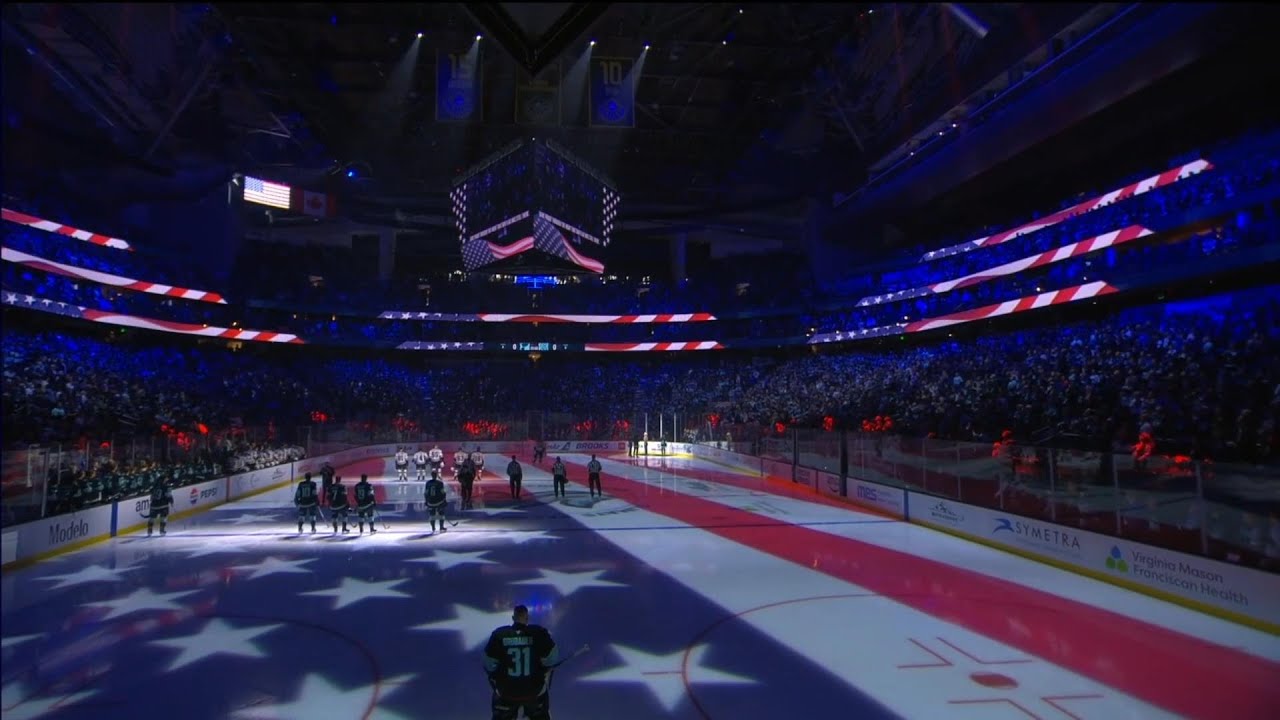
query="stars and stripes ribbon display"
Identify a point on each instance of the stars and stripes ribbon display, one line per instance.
(49, 226)
(1048, 257)
(450, 346)
(548, 238)
(31, 302)
(478, 253)
(600, 319)
(653, 346)
(657, 318)
(102, 278)
(1155, 182)
(1008, 307)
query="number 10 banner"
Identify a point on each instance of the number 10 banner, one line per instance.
(613, 92)
(457, 87)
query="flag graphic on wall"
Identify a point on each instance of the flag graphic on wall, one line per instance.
(549, 239)
(613, 92)
(264, 192)
(458, 86)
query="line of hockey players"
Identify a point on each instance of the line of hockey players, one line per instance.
(432, 461)
(307, 500)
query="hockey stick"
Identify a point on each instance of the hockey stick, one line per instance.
(585, 647)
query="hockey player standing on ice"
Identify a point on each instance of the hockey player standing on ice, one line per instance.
(466, 479)
(437, 499)
(539, 452)
(420, 462)
(593, 477)
(366, 502)
(477, 458)
(519, 659)
(338, 504)
(326, 480)
(306, 499)
(558, 478)
(161, 501)
(458, 458)
(402, 465)
(515, 474)
(436, 456)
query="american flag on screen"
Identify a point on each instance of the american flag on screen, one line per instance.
(264, 192)
(548, 238)
(476, 253)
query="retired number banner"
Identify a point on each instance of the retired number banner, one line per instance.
(613, 92)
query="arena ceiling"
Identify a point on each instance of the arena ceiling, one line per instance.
(753, 107)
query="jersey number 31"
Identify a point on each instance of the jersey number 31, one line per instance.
(520, 661)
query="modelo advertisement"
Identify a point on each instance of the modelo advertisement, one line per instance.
(807, 476)
(1240, 590)
(891, 500)
(256, 481)
(830, 484)
(56, 533)
(779, 470)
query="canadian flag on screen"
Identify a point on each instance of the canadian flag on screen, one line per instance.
(318, 204)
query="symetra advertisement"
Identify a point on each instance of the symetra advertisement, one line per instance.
(1232, 588)
(50, 535)
(891, 500)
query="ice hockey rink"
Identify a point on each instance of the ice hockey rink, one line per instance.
(699, 594)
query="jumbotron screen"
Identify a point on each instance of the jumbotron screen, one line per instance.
(534, 205)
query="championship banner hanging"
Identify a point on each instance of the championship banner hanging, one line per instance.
(538, 101)
(458, 86)
(613, 92)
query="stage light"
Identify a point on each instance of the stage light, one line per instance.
(477, 38)
(419, 36)
(724, 42)
(646, 48)
(592, 43)
(351, 173)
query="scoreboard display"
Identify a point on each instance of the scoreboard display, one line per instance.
(534, 197)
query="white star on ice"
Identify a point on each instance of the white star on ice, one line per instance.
(18, 705)
(319, 698)
(444, 560)
(522, 537)
(473, 624)
(245, 519)
(274, 566)
(567, 583)
(16, 640)
(210, 548)
(352, 591)
(217, 637)
(661, 673)
(138, 600)
(10, 298)
(92, 573)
